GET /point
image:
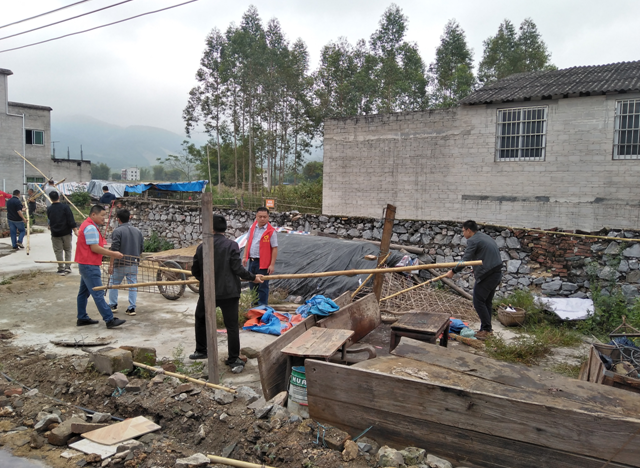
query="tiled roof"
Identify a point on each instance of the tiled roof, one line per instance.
(596, 79)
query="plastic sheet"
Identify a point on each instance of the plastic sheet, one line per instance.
(314, 254)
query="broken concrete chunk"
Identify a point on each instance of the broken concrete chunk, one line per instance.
(228, 450)
(100, 417)
(200, 434)
(32, 392)
(181, 397)
(224, 417)
(259, 403)
(197, 459)
(264, 411)
(158, 379)
(61, 434)
(135, 386)
(389, 457)
(223, 398)
(335, 439)
(279, 412)
(280, 398)
(118, 380)
(413, 455)
(247, 394)
(350, 451)
(36, 441)
(141, 354)
(109, 361)
(184, 388)
(437, 462)
(43, 424)
(81, 428)
(250, 352)
(13, 391)
(128, 445)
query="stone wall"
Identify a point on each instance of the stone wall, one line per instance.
(440, 164)
(555, 264)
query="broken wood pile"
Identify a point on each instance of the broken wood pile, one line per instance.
(623, 371)
(477, 411)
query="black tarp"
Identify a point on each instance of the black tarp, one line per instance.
(314, 254)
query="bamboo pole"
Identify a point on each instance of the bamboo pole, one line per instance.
(43, 193)
(237, 463)
(148, 267)
(38, 194)
(184, 377)
(47, 178)
(312, 275)
(26, 204)
(413, 287)
(370, 276)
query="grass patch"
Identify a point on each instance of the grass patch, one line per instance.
(6, 281)
(193, 369)
(555, 336)
(568, 370)
(528, 350)
(155, 243)
(525, 300)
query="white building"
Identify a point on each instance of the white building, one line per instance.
(132, 173)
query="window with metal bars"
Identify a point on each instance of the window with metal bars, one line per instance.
(521, 134)
(627, 130)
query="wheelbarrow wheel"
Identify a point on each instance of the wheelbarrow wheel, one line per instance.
(175, 291)
(194, 287)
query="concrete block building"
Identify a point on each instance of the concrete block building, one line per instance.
(543, 149)
(26, 128)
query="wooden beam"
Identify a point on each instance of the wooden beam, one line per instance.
(387, 232)
(209, 285)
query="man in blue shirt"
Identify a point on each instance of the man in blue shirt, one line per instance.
(107, 197)
(16, 220)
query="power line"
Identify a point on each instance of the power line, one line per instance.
(97, 27)
(64, 20)
(43, 14)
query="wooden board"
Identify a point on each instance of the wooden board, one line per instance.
(362, 316)
(318, 342)
(423, 322)
(89, 447)
(272, 364)
(343, 299)
(611, 400)
(125, 430)
(465, 425)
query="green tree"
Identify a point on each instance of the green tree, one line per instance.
(145, 173)
(312, 171)
(184, 162)
(158, 172)
(100, 171)
(453, 68)
(509, 52)
(116, 176)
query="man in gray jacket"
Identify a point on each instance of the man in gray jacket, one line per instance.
(128, 240)
(488, 275)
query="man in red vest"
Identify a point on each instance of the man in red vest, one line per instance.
(261, 252)
(89, 252)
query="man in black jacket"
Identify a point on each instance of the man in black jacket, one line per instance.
(61, 224)
(228, 271)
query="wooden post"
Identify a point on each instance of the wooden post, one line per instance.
(209, 285)
(26, 204)
(387, 232)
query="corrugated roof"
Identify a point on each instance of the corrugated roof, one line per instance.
(595, 79)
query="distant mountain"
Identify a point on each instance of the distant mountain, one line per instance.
(118, 147)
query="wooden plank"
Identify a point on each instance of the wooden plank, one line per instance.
(318, 342)
(513, 375)
(119, 432)
(622, 381)
(513, 417)
(421, 322)
(343, 299)
(595, 366)
(584, 371)
(209, 287)
(387, 233)
(362, 316)
(272, 364)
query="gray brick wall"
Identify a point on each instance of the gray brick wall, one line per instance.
(441, 165)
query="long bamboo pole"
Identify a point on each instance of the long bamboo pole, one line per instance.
(413, 287)
(312, 275)
(370, 276)
(43, 193)
(38, 194)
(237, 463)
(184, 377)
(173, 270)
(46, 178)
(26, 204)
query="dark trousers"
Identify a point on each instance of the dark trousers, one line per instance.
(483, 293)
(262, 288)
(229, 309)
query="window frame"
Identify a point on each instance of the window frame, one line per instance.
(521, 137)
(32, 138)
(618, 117)
(35, 180)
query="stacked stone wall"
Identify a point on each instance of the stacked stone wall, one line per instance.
(552, 263)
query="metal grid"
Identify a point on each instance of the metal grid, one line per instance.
(521, 134)
(626, 143)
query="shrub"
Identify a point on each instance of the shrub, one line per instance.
(155, 243)
(80, 198)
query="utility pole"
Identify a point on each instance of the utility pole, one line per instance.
(209, 285)
(53, 147)
(81, 155)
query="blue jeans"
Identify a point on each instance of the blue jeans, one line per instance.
(262, 288)
(91, 277)
(16, 226)
(130, 272)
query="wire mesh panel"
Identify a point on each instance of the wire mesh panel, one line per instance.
(521, 134)
(150, 272)
(626, 144)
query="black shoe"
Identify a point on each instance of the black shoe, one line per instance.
(114, 307)
(16, 248)
(130, 311)
(235, 362)
(83, 322)
(61, 272)
(198, 355)
(19, 244)
(115, 322)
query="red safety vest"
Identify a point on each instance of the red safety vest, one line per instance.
(265, 245)
(84, 254)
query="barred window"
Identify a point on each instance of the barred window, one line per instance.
(627, 128)
(521, 134)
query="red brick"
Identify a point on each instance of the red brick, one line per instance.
(13, 391)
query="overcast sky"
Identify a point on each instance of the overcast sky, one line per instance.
(140, 72)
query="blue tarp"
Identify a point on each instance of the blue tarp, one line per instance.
(317, 305)
(196, 186)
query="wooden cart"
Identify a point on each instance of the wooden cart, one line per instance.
(180, 259)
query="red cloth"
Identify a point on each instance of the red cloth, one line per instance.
(84, 254)
(265, 245)
(4, 196)
(254, 315)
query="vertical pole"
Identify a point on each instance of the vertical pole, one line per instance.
(387, 232)
(209, 285)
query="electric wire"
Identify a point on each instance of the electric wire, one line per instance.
(98, 27)
(43, 14)
(65, 20)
